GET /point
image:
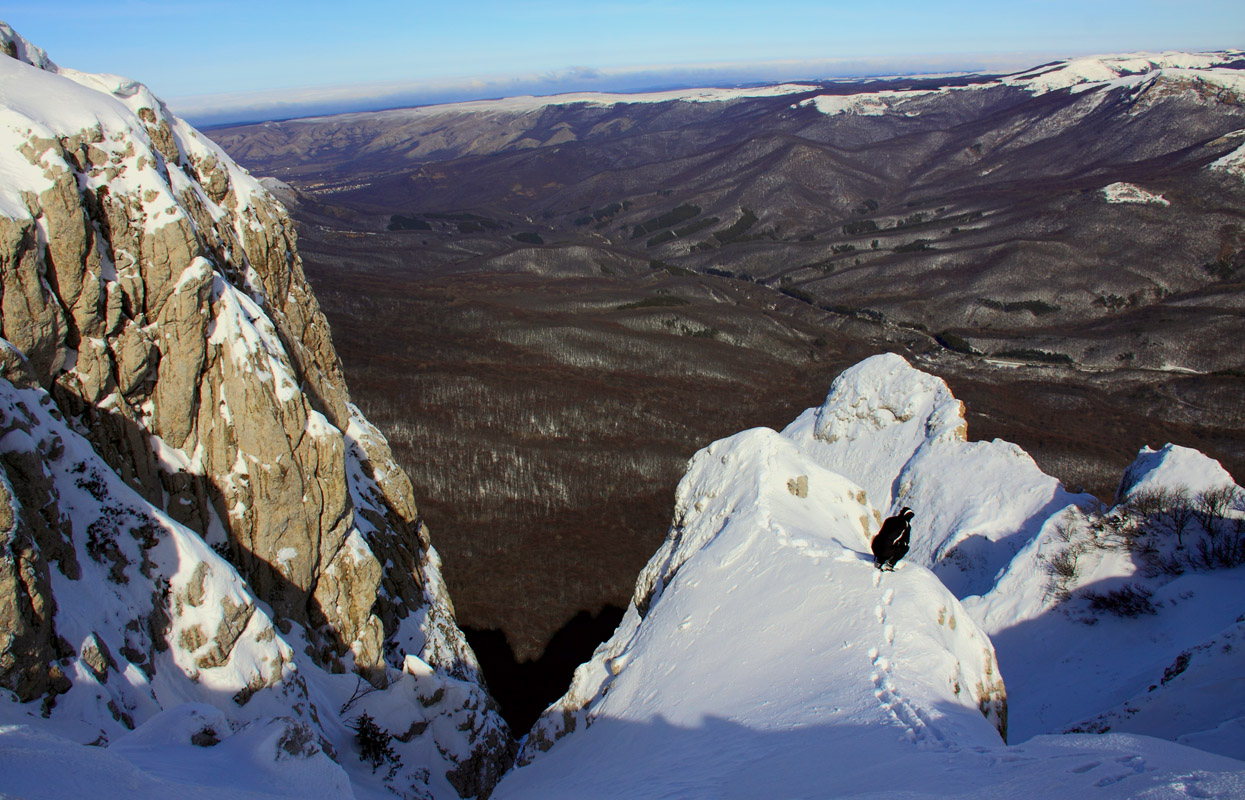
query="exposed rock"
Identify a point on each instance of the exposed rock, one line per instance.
(26, 605)
(174, 301)
(152, 301)
(95, 655)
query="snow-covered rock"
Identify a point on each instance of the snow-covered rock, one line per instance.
(760, 616)
(900, 434)
(191, 509)
(1172, 467)
(764, 654)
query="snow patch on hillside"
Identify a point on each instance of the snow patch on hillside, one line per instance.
(873, 104)
(1233, 163)
(1121, 192)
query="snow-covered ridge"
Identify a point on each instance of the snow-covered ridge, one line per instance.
(40, 101)
(526, 103)
(763, 612)
(1098, 71)
(764, 654)
(1076, 75)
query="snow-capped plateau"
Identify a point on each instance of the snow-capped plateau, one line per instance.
(525, 103)
(1214, 71)
(762, 648)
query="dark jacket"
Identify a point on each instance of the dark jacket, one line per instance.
(894, 537)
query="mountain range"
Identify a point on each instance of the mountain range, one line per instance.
(573, 294)
(215, 580)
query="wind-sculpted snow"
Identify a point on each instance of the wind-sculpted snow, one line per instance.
(763, 654)
(900, 434)
(195, 510)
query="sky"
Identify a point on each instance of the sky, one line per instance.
(272, 58)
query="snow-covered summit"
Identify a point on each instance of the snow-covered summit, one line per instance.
(764, 654)
(1172, 466)
(1091, 72)
(761, 626)
(901, 434)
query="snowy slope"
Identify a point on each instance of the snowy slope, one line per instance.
(1234, 162)
(763, 654)
(766, 627)
(1044, 643)
(988, 522)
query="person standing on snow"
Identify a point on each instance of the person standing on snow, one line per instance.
(892, 541)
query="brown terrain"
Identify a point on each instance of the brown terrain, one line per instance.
(548, 311)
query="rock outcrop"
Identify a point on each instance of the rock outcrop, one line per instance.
(153, 304)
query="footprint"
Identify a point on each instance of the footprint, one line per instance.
(880, 614)
(1081, 770)
(1108, 781)
(888, 596)
(889, 633)
(873, 654)
(877, 577)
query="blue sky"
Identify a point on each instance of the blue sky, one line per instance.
(248, 53)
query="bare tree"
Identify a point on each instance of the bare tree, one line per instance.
(1180, 513)
(1212, 505)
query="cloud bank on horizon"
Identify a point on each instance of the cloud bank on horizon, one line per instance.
(229, 60)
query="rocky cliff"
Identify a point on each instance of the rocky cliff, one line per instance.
(193, 508)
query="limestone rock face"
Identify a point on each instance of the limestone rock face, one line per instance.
(152, 301)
